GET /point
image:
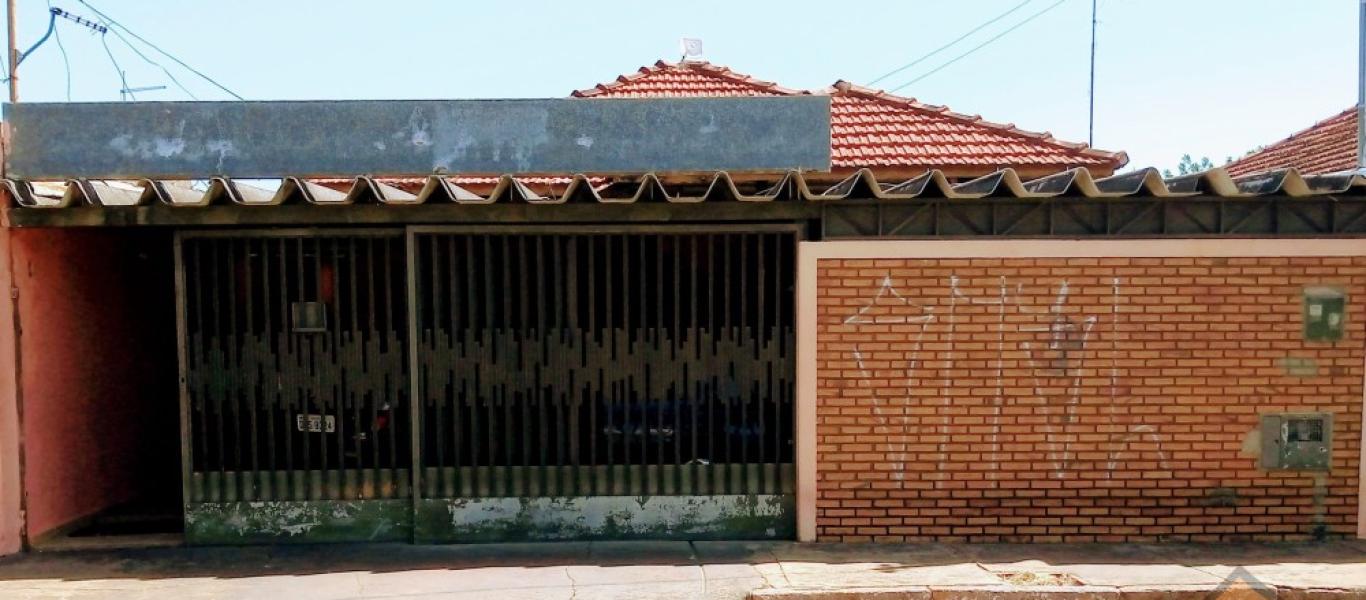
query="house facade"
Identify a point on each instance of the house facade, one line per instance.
(752, 354)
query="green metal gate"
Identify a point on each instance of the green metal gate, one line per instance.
(605, 383)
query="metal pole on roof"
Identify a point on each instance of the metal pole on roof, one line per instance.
(13, 86)
(1091, 119)
(12, 17)
(1361, 87)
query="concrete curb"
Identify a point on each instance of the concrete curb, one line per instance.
(1071, 592)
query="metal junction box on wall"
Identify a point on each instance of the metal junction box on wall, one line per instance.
(1297, 441)
(1325, 310)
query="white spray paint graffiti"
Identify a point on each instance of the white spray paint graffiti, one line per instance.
(956, 293)
(1136, 433)
(862, 317)
(1064, 337)
(887, 291)
(1061, 355)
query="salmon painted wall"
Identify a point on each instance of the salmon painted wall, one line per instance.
(97, 370)
(11, 509)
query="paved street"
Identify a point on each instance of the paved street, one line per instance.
(676, 571)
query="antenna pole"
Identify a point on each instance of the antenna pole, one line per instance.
(1361, 88)
(13, 52)
(1091, 117)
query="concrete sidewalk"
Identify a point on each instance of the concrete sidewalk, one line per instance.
(680, 571)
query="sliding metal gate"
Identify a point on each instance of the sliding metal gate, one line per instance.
(295, 386)
(608, 383)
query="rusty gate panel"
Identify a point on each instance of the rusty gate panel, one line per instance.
(605, 364)
(294, 363)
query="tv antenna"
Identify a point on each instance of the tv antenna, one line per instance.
(17, 57)
(125, 92)
(53, 14)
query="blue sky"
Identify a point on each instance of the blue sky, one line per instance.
(1207, 77)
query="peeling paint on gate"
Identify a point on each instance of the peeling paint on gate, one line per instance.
(721, 517)
(729, 517)
(302, 522)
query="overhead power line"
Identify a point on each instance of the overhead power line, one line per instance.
(66, 62)
(102, 28)
(123, 78)
(155, 64)
(139, 38)
(950, 44)
(980, 46)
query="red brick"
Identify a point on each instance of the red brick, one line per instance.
(1103, 420)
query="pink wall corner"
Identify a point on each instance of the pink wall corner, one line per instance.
(806, 439)
(11, 499)
(88, 388)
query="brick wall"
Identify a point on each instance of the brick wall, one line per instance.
(1098, 399)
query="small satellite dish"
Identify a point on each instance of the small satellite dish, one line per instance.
(692, 48)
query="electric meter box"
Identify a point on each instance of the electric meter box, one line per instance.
(1297, 441)
(1325, 313)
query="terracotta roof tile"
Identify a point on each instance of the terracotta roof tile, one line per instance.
(1329, 146)
(685, 79)
(871, 128)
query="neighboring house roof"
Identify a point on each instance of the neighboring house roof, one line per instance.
(875, 129)
(1329, 146)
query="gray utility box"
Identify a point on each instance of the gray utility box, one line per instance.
(1297, 441)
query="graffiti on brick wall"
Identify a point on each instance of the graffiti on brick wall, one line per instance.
(888, 294)
(1121, 443)
(1056, 342)
(1058, 350)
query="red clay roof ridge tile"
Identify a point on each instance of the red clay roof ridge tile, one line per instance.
(844, 87)
(700, 65)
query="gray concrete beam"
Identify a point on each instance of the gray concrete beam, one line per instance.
(188, 140)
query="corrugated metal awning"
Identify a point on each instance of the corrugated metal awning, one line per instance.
(722, 187)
